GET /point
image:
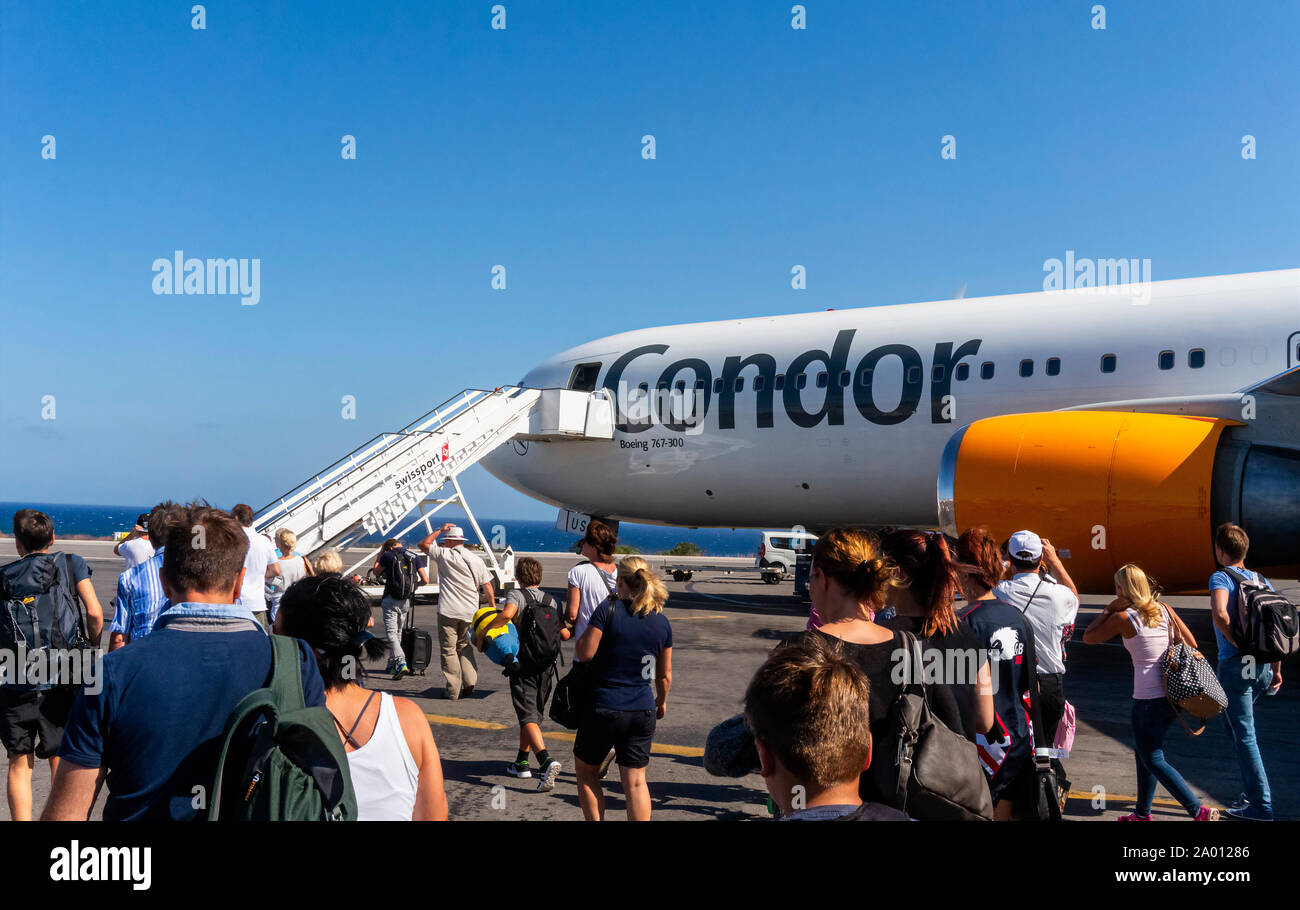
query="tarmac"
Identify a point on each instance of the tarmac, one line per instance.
(723, 626)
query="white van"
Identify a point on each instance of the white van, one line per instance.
(780, 549)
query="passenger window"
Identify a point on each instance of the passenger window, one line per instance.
(759, 383)
(644, 388)
(779, 384)
(717, 387)
(1053, 366)
(986, 369)
(699, 385)
(1196, 358)
(1026, 369)
(1166, 360)
(583, 378)
(845, 378)
(913, 375)
(681, 385)
(962, 372)
(1108, 363)
(864, 378)
(801, 381)
(739, 384)
(822, 380)
(936, 374)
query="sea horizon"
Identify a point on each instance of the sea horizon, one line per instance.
(83, 521)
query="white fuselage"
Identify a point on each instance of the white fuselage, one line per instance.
(868, 452)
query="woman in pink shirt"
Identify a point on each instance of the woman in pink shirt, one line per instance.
(1137, 615)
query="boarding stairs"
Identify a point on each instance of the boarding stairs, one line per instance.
(375, 488)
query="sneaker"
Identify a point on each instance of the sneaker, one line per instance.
(1242, 802)
(1207, 814)
(519, 769)
(1134, 818)
(604, 766)
(1251, 814)
(401, 670)
(549, 774)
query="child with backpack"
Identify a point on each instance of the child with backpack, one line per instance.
(541, 627)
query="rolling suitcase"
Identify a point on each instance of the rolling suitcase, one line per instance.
(417, 644)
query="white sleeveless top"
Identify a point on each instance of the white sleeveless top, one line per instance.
(1146, 648)
(384, 773)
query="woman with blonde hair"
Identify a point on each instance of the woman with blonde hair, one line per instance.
(1148, 627)
(292, 568)
(632, 643)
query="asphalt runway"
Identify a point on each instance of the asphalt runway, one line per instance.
(723, 626)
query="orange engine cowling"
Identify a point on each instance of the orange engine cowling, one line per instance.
(1105, 487)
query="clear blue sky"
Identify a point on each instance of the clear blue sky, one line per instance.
(522, 147)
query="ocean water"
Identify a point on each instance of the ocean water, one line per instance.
(87, 521)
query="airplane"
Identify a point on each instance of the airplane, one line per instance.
(1123, 422)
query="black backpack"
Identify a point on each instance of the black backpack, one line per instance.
(920, 766)
(402, 575)
(46, 617)
(539, 624)
(1265, 624)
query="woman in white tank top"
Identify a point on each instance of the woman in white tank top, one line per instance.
(1144, 623)
(393, 760)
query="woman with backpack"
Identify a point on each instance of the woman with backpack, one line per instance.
(1148, 628)
(392, 757)
(632, 643)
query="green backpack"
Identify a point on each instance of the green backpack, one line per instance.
(281, 760)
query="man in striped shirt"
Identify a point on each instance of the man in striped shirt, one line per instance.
(140, 597)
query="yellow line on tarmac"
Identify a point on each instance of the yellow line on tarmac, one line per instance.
(1108, 797)
(562, 735)
(450, 721)
(697, 618)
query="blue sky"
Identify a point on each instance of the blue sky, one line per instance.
(521, 147)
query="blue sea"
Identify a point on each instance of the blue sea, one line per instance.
(77, 521)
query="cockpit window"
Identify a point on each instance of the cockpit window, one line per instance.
(584, 377)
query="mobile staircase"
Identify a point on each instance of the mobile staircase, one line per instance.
(377, 487)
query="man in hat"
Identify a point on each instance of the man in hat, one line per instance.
(462, 579)
(1042, 591)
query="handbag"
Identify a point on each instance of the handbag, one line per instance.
(1190, 682)
(920, 766)
(574, 692)
(1065, 732)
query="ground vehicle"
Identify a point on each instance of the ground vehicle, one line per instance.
(780, 549)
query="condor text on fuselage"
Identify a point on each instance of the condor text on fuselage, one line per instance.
(845, 384)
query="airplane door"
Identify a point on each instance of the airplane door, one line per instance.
(1293, 350)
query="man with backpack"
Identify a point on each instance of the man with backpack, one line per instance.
(1243, 677)
(402, 572)
(40, 594)
(540, 623)
(156, 723)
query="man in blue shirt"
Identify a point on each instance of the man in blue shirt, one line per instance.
(140, 596)
(1242, 679)
(156, 724)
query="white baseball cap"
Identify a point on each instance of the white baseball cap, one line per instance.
(1025, 546)
(454, 533)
